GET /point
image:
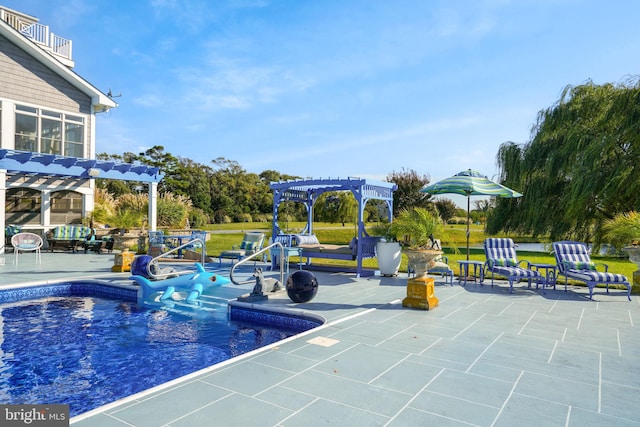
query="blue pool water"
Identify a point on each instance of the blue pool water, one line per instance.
(88, 351)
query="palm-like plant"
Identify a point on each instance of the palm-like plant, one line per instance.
(384, 230)
(416, 227)
(623, 229)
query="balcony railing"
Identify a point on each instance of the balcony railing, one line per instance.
(38, 33)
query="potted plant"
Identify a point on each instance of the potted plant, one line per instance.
(388, 250)
(415, 229)
(623, 229)
(623, 232)
(124, 220)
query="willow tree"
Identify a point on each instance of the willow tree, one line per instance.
(578, 169)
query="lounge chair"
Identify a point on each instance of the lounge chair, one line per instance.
(574, 262)
(251, 243)
(502, 260)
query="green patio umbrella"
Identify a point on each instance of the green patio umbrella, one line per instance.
(470, 183)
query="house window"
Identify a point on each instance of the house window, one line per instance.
(22, 206)
(51, 132)
(66, 207)
(41, 131)
(74, 136)
(26, 130)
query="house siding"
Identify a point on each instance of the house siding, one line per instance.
(25, 79)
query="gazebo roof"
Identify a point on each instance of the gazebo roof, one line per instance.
(301, 188)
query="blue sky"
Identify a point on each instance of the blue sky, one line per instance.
(337, 88)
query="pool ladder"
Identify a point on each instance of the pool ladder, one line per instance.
(155, 261)
(252, 256)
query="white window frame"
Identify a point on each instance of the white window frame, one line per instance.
(67, 120)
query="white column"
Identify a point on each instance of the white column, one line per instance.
(153, 206)
(88, 201)
(3, 201)
(45, 208)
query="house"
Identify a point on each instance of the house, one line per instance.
(47, 131)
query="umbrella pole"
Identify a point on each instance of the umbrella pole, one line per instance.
(468, 219)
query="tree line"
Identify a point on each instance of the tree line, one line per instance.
(576, 172)
(223, 191)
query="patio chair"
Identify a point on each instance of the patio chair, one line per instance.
(285, 252)
(91, 243)
(442, 268)
(9, 232)
(156, 243)
(201, 235)
(26, 242)
(251, 243)
(501, 259)
(574, 262)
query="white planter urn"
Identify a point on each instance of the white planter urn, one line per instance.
(422, 260)
(634, 254)
(420, 289)
(389, 256)
(634, 257)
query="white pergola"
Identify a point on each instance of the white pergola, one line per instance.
(29, 164)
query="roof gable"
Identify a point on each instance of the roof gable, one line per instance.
(99, 100)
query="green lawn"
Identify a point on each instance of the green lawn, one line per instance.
(224, 236)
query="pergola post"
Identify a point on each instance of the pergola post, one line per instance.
(3, 201)
(153, 206)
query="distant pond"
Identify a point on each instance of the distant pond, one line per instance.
(547, 248)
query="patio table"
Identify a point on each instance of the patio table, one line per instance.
(550, 274)
(464, 270)
(178, 238)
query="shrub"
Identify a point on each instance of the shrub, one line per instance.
(244, 217)
(198, 218)
(263, 218)
(104, 206)
(173, 210)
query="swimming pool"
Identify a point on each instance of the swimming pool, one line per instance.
(80, 346)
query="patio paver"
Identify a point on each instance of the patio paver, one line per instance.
(482, 357)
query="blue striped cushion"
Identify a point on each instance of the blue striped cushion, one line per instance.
(580, 265)
(597, 276)
(501, 252)
(516, 272)
(505, 262)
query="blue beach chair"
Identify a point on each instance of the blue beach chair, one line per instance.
(502, 260)
(574, 262)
